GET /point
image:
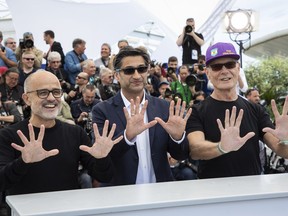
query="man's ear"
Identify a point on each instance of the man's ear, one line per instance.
(26, 99)
(116, 75)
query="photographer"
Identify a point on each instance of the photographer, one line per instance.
(181, 87)
(191, 43)
(54, 66)
(107, 88)
(27, 44)
(81, 108)
(7, 56)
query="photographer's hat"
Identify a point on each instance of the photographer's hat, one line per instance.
(220, 50)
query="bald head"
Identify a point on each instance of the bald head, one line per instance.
(41, 79)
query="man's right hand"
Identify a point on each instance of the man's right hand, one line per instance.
(33, 151)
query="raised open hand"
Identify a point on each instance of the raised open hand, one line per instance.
(281, 121)
(33, 151)
(175, 126)
(135, 121)
(103, 144)
(230, 135)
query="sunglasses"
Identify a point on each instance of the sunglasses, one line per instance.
(131, 70)
(79, 77)
(44, 93)
(29, 59)
(218, 67)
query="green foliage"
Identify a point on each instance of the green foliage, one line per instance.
(270, 76)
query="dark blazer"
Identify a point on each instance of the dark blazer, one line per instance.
(125, 158)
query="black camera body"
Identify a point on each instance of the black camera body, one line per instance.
(171, 94)
(3, 49)
(26, 43)
(170, 71)
(191, 80)
(188, 29)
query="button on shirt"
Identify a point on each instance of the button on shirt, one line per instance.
(145, 172)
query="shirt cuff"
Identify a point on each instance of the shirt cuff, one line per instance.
(132, 142)
(181, 140)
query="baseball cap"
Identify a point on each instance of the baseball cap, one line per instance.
(220, 50)
(163, 82)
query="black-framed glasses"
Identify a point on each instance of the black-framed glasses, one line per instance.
(44, 93)
(131, 70)
(29, 59)
(218, 67)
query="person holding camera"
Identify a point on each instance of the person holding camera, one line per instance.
(191, 43)
(107, 88)
(180, 87)
(7, 56)
(27, 45)
(54, 61)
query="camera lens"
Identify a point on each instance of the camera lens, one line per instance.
(191, 80)
(188, 29)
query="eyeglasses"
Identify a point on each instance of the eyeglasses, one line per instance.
(53, 62)
(11, 43)
(44, 93)
(218, 67)
(79, 77)
(131, 70)
(29, 59)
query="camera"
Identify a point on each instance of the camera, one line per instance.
(201, 67)
(26, 43)
(3, 49)
(170, 71)
(191, 80)
(170, 94)
(188, 29)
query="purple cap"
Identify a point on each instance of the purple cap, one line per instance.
(221, 50)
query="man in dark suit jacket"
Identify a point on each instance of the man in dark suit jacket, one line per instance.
(150, 126)
(54, 46)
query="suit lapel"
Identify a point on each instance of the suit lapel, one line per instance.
(151, 114)
(119, 105)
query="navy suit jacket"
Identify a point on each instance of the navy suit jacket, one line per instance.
(125, 157)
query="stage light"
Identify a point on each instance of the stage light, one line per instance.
(239, 24)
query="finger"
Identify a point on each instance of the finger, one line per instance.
(274, 109)
(84, 148)
(239, 118)
(132, 106)
(220, 126)
(96, 131)
(31, 132)
(285, 107)
(183, 109)
(171, 108)
(188, 113)
(117, 140)
(105, 129)
(52, 152)
(143, 110)
(233, 116)
(112, 131)
(269, 130)
(137, 105)
(177, 108)
(41, 133)
(23, 137)
(227, 113)
(17, 147)
(247, 137)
